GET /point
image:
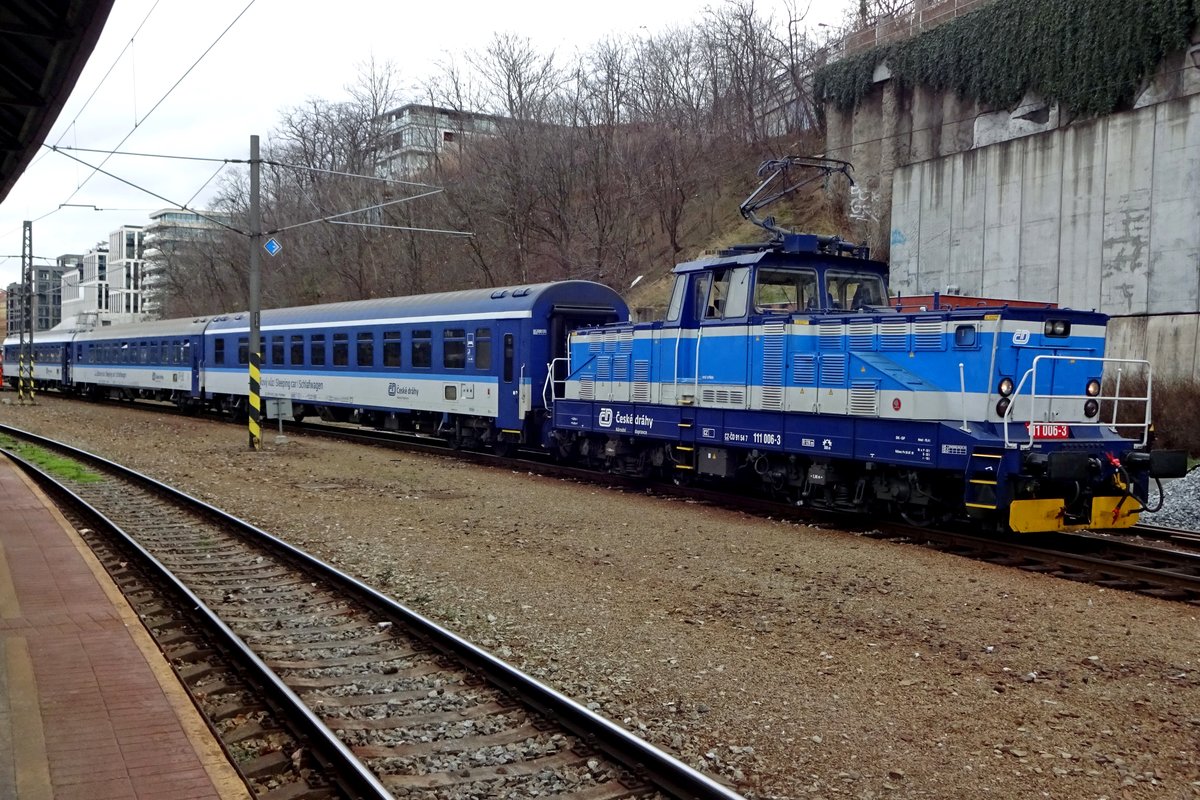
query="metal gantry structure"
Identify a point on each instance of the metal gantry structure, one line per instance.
(25, 324)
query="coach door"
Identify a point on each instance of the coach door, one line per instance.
(506, 361)
(192, 349)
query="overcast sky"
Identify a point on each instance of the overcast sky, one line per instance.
(277, 55)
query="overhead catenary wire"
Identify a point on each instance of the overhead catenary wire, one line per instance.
(332, 217)
(103, 80)
(174, 86)
(166, 200)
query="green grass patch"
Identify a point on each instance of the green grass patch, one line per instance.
(58, 466)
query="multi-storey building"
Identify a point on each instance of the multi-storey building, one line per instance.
(174, 240)
(46, 300)
(415, 135)
(125, 270)
(85, 284)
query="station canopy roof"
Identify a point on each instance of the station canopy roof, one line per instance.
(43, 47)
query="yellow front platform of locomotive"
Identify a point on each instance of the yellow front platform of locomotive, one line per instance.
(1039, 516)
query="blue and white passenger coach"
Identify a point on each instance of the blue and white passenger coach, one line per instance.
(467, 365)
(785, 364)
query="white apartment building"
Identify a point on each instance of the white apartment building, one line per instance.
(85, 284)
(125, 267)
(415, 135)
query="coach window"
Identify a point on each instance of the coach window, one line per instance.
(144, 353)
(422, 348)
(391, 348)
(218, 351)
(454, 348)
(341, 349)
(483, 348)
(276, 349)
(297, 350)
(317, 352)
(244, 350)
(366, 349)
(508, 357)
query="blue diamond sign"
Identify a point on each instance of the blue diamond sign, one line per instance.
(272, 247)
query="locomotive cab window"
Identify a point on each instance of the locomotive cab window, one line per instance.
(422, 348)
(454, 348)
(728, 294)
(778, 291)
(391, 348)
(854, 292)
(678, 292)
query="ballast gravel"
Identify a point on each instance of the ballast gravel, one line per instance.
(1181, 502)
(788, 660)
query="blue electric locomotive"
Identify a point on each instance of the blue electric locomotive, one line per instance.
(785, 364)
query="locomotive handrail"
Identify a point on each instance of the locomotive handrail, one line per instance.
(1116, 397)
(548, 393)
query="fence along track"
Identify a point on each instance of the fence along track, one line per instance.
(417, 704)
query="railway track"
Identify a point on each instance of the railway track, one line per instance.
(322, 687)
(1104, 560)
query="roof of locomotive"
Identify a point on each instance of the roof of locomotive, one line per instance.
(511, 302)
(793, 250)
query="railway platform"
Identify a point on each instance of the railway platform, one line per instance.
(88, 706)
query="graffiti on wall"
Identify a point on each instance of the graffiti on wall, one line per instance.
(864, 204)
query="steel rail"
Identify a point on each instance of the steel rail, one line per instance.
(641, 757)
(359, 781)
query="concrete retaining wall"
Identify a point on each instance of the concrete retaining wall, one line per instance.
(1171, 342)
(1103, 214)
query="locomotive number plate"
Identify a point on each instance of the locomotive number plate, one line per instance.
(1047, 430)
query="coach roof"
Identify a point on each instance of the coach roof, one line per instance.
(513, 302)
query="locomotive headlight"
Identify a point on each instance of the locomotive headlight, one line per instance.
(1093, 388)
(1002, 406)
(1006, 387)
(1091, 408)
(1057, 327)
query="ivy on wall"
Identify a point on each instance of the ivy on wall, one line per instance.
(1089, 55)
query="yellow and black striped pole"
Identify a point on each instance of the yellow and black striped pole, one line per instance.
(255, 415)
(22, 379)
(255, 400)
